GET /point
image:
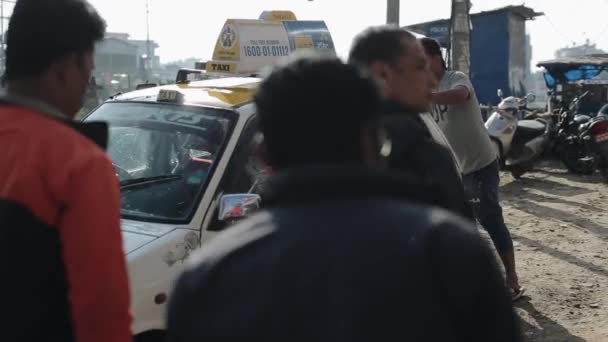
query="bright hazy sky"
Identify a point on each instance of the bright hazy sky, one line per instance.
(189, 28)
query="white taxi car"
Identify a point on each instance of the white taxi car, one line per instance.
(183, 154)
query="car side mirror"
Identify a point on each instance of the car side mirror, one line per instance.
(530, 98)
(235, 207)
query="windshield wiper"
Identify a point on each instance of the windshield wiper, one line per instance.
(145, 181)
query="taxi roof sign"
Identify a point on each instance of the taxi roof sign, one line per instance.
(246, 47)
(278, 16)
(170, 96)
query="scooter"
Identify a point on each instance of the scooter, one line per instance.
(520, 138)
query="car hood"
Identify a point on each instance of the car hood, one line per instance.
(138, 234)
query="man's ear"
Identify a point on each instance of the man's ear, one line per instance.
(379, 71)
(62, 67)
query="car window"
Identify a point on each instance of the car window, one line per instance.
(244, 170)
(164, 155)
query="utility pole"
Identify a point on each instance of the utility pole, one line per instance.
(460, 36)
(148, 59)
(2, 22)
(392, 12)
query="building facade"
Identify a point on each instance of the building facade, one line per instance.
(579, 50)
(122, 63)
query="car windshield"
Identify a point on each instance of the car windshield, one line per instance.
(163, 155)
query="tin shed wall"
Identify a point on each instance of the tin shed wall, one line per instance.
(490, 56)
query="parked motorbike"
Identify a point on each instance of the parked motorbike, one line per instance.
(519, 137)
(582, 140)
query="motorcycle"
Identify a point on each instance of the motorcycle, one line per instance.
(582, 140)
(519, 136)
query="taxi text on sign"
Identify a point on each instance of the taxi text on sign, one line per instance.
(221, 67)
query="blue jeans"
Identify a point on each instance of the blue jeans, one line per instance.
(481, 189)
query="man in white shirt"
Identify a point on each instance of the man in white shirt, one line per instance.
(456, 111)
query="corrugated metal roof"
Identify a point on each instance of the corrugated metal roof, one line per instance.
(599, 60)
(525, 12)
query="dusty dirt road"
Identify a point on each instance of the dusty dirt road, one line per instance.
(559, 223)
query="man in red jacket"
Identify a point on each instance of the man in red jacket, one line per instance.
(63, 266)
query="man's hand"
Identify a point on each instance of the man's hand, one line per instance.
(456, 96)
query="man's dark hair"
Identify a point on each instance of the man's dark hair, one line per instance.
(43, 31)
(432, 48)
(379, 44)
(314, 111)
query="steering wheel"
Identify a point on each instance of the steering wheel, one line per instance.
(122, 173)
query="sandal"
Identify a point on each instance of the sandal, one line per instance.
(517, 294)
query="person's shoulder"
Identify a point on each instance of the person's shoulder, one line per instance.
(443, 221)
(458, 78)
(422, 223)
(455, 74)
(427, 147)
(453, 235)
(405, 127)
(424, 217)
(242, 235)
(57, 131)
(56, 142)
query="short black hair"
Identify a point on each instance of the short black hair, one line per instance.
(41, 32)
(314, 111)
(432, 48)
(379, 44)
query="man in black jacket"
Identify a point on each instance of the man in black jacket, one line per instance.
(396, 60)
(343, 251)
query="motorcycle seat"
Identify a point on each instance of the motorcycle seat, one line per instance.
(581, 118)
(531, 126)
(529, 129)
